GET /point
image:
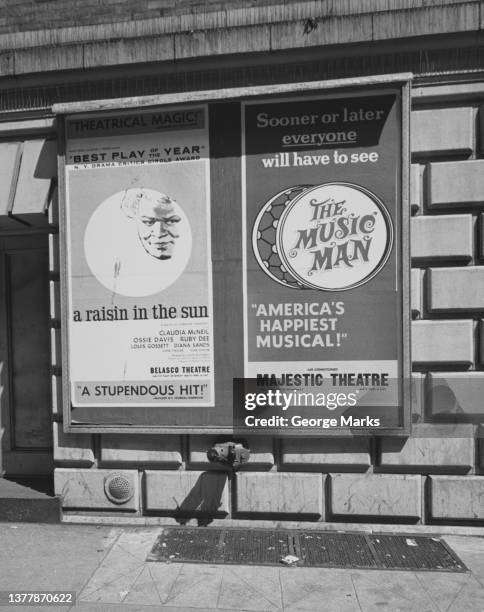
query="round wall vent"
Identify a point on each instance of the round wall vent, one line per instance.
(118, 488)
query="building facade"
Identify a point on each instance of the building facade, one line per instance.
(58, 59)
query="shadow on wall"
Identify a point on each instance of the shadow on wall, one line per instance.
(204, 500)
(46, 166)
(442, 403)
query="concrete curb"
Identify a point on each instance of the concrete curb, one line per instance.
(137, 521)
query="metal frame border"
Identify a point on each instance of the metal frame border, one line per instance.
(240, 93)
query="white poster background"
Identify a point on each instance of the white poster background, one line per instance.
(140, 328)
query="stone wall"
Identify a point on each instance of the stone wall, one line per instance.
(24, 15)
(436, 475)
(39, 37)
(33, 15)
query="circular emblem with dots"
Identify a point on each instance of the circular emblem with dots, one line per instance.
(264, 243)
(332, 237)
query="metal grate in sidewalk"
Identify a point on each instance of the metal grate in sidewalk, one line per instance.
(415, 552)
(312, 549)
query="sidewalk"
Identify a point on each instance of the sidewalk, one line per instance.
(107, 569)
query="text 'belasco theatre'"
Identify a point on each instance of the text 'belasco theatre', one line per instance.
(242, 259)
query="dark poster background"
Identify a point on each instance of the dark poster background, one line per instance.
(290, 147)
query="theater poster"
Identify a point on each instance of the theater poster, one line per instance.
(323, 280)
(139, 276)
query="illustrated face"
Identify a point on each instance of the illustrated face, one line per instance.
(157, 226)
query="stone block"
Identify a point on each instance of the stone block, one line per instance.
(416, 296)
(431, 448)
(415, 188)
(47, 58)
(264, 14)
(325, 455)
(72, 448)
(218, 42)
(31, 128)
(261, 453)
(443, 342)
(277, 493)
(186, 493)
(446, 93)
(457, 497)
(376, 495)
(297, 11)
(201, 20)
(334, 30)
(456, 184)
(443, 131)
(456, 289)
(427, 20)
(83, 489)
(452, 395)
(129, 51)
(7, 63)
(160, 450)
(442, 237)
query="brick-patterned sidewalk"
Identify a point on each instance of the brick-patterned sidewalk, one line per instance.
(106, 567)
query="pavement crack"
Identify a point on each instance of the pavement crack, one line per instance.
(251, 586)
(464, 584)
(173, 586)
(478, 580)
(105, 584)
(427, 592)
(220, 588)
(154, 582)
(108, 550)
(281, 587)
(356, 592)
(131, 554)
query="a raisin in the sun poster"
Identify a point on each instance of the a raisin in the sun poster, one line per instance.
(138, 259)
(322, 254)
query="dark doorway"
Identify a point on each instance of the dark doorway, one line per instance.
(26, 407)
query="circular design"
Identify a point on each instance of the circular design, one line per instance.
(137, 242)
(334, 236)
(118, 488)
(264, 231)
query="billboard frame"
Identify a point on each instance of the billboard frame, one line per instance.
(238, 95)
